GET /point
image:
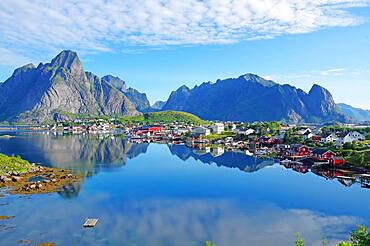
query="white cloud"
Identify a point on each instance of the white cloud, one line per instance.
(37, 27)
(308, 74)
(9, 57)
(333, 72)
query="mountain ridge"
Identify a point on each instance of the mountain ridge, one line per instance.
(54, 90)
(357, 114)
(250, 97)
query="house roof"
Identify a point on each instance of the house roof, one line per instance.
(320, 151)
(326, 135)
(342, 134)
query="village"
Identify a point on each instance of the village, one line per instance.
(307, 144)
(323, 150)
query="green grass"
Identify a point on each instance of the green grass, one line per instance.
(13, 163)
(357, 157)
(164, 117)
(365, 142)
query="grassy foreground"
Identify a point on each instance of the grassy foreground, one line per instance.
(164, 117)
(13, 163)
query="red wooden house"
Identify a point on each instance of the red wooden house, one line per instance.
(298, 150)
(322, 154)
(148, 129)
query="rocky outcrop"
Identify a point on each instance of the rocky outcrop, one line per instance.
(57, 90)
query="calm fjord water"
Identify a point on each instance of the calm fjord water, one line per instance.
(171, 195)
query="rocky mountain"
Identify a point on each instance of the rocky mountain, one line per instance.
(158, 105)
(57, 90)
(356, 114)
(139, 99)
(252, 98)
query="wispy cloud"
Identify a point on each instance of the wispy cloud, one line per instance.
(308, 74)
(37, 27)
(332, 72)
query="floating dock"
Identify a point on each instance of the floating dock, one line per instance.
(90, 223)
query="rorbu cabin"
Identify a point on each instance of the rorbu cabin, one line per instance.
(298, 150)
(145, 130)
(322, 154)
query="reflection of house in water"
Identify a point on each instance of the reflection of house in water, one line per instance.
(347, 178)
(227, 159)
(217, 151)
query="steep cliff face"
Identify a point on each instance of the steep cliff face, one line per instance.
(139, 99)
(252, 98)
(54, 90)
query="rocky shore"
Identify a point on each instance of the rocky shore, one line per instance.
(37, 179)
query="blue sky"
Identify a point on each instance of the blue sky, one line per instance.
(156, 46)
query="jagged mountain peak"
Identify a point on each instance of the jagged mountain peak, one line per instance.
(24, 68)
(253, 98)
(67, 59)
(111, 78)
(56, 90)
(115, 81)
(316, 88)
(139, 99)
(250, 77)
(183, 88)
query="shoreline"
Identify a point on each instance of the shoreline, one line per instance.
(37, 180)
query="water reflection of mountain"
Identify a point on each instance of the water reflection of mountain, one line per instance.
(85, 154)
(228, 159)
(88, 154)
